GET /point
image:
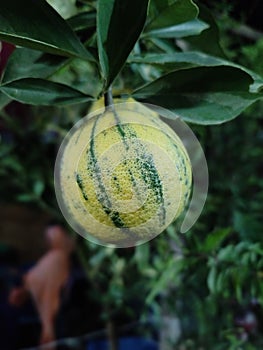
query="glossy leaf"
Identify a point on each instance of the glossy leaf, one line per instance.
(119, 25)
(27, 63)
(181, 30)
(178, 60)
(178, 12)
(83, 21)
(43, 92)
(182, 60)
(159, 5)
(209, 40)
(35, 24)
(202, 95)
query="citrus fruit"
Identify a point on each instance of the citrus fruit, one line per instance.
(124, 175)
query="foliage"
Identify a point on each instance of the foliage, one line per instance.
(171, 57)
(170, 30)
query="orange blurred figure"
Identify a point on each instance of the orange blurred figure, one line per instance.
(46, 279)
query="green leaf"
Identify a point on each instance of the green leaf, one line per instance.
(43, 92)
(98, 259)
(214, 239)
(170, 273)
(220, 282)
(202, 95)
(159, 5)
(179, 60)
(181, 30)
(27, 63)
(178, 12)
(142, 254)
(249, 225)
(35, 24)
(182, 60)
(211, 279)
(227, 253)
(4, 100)
(83, 21)
(26, 198)
(119, 25)
(38, 187)
(209, 40)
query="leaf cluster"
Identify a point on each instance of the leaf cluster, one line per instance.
(161, 52)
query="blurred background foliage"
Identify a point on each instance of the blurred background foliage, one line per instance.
(210, 278)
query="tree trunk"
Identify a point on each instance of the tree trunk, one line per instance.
(112, 335)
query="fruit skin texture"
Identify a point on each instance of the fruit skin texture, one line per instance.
(124, 175)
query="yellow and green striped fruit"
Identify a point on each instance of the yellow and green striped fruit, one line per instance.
(124, 176)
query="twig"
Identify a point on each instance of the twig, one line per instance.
(247, 32)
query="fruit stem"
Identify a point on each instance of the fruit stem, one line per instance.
(108, 99)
